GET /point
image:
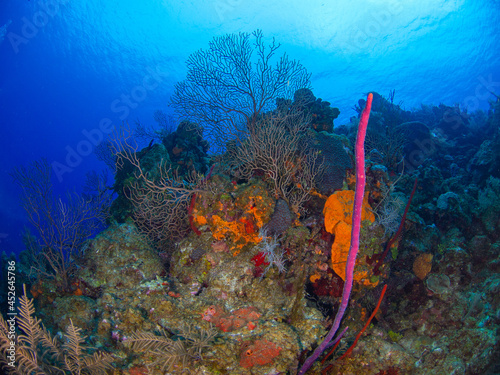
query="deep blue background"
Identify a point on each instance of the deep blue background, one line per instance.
(63, 64)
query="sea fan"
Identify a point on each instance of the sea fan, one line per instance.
(180, 349)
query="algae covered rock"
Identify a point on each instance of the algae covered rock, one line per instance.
(119, 257)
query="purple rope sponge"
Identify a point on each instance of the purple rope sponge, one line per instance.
(356, 228)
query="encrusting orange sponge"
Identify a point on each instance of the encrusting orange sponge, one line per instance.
(338, 221)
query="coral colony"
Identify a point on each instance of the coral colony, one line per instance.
(252, 236)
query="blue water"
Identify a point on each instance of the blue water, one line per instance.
(69, 67)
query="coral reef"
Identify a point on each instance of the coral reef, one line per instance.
(322, 115)
(334, 161)
(247, 276)
(187, 149)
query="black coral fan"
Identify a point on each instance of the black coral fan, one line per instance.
(36, 352)
(168, 352)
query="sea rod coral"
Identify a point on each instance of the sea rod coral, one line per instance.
(356, 228)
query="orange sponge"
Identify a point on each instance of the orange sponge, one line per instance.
(338, 221)
(338, 207)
